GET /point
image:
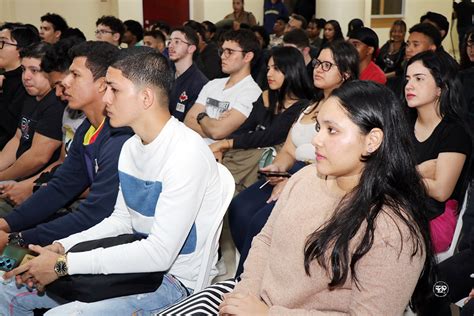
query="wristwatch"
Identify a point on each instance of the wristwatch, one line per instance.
(200, 116)
(16, 239)
(60, 267)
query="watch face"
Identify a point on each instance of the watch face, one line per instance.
(61, 268)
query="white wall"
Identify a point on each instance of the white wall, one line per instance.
(78, 13)
(215, 10)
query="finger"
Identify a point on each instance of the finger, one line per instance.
(38, 249)
(21, 269)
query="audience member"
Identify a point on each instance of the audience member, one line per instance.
(52, 27)
(276, 38)
(332, 32)
(299, 39)
(73, 32)
(156, 179)
(210, 30)
(467, 50)
(208, 59)
(314, 31)
(463, 12)
(422, 37)
(271, 118)
(442, 141)
(91, 162)
(354, 25)
(392, 53)
(56, 64)
(366, 42)
(133, 35)
(109, 29)
(438, 20)
(189, 80)
(13, 38)
(161, 26)
(272, 11)
(233, 96)
(154, 39)
(249, 211)
(262, 36)
(239, 14)
(37, 141)
(350, 238)
(296, 21)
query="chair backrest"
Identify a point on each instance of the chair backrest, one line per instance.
(440, 257)
(212, 243)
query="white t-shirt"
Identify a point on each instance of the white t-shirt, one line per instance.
(240, 97)
(169, 191)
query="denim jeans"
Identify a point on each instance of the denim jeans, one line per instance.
(15, 301)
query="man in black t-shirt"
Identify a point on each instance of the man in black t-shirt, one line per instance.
(13, 37)
(38, 138)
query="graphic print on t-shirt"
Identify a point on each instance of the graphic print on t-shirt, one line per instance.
(26, 126)
(214, 108)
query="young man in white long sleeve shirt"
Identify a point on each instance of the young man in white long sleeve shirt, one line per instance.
(169, 191)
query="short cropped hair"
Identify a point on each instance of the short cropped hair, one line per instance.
(440, 20)
(300, 18)
(156, 34)
(297, 37)
(135, 28)
(58, 59)
(73, 32)
(144, 66)
(189, 34)
(23, 34)
(58, 22)
(429, 31)
(99, 56)
(198, 27)
(246, 40)
(37, 50)
(114, 23)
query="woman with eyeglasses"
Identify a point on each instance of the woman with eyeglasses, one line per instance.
(271, 118)
(348, 235)
(249, 211)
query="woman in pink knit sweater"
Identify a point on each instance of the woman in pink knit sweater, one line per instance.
(348, 235)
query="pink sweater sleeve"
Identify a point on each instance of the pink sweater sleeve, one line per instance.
(257, 259)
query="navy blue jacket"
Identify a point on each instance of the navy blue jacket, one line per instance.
(94, 166)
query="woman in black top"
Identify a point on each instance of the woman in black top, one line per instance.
(392, 53)
(277, 108)
(441, 137)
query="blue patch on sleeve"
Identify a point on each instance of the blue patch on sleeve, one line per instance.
(190, 243)
(140, 195)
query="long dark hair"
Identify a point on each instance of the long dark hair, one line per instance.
(389, 183)
(465, 61)
(296, 85)
(346, 59)
(444, 70)
(338, 36)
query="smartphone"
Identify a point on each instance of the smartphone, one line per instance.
(267, 174)
(12, 257)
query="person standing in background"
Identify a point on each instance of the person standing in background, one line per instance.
(240, 15)
(272, 10)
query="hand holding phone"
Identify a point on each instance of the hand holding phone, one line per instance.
(13, 256)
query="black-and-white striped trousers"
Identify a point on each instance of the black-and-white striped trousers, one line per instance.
(205, 302)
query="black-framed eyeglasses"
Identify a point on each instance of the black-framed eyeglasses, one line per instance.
(177, 41)
(325, 65)
(227, 52)
(102, 32)
(2, 44)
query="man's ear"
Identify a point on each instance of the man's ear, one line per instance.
(371, 51)
(373, 140)
(248, 57)
(101, 85)
(191, 49)
(116, 37)
(148, 97)
(57, 34)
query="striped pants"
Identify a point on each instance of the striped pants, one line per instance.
(205, 302)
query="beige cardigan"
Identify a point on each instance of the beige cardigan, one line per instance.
(274, 269)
